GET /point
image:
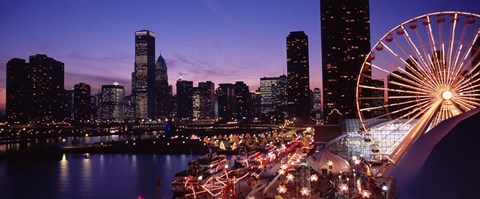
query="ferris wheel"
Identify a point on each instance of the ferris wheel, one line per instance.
(417, 75)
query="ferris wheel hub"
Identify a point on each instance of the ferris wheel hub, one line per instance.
(447, 95)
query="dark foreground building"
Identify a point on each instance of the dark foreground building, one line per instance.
(298, 77)
(345, 27)
(35, 90)
(82, 102)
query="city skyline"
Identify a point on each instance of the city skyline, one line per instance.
(96, 42)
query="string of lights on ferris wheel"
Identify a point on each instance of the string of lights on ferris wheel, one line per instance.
(429, 67)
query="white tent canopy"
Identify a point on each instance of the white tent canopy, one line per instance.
(320, 160)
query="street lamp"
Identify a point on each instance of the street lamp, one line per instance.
(344, 188)
(385, 189)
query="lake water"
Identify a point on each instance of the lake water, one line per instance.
(100, 176)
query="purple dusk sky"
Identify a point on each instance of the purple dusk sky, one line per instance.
(221, 41)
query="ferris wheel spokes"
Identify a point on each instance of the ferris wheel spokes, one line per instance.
(417, 75)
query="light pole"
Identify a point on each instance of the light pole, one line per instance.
(385, 190)
(314, 179)
(344, 189)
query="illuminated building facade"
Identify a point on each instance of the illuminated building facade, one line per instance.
(111, 107)
(273, 91)
(208, 108)
(267, 92)
(317, 105)
(144, 73)
(200, 103)
(345, 27)
(298, 77)
(129, 108)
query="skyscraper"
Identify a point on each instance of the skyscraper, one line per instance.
(241, 110)
(184, 99)
(317, 105)
(200, 103)
(160, 95)
(47, 77)
(111, 107)
(345, 27)
(35, 90)
(144, 73)
(298, 77)
(225, 98)
(96, 101)
(129, 108)
(255, 106)
(281, 96)
(18, 91)
(378, 83)
(81, 102)
(209, 107)
(267, 92)
(69, 101)
(273, 91)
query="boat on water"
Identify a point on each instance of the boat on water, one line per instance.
(197, 172)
